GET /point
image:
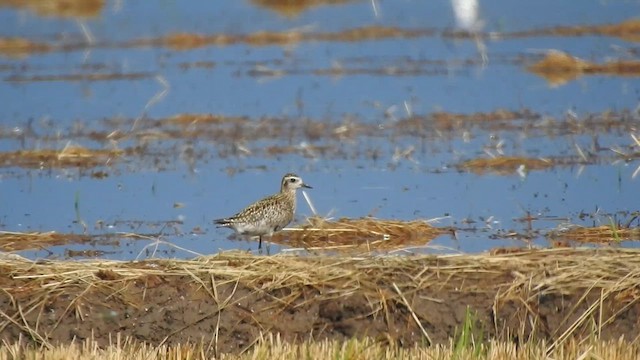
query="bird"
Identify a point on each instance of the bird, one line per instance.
(269, 215)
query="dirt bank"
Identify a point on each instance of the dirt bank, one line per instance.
(229, 300)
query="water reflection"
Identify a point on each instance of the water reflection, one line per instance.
(467, 16)
(466, 13)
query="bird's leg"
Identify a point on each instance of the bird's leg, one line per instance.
(260, 242)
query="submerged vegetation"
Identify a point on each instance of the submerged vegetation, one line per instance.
(193, 139)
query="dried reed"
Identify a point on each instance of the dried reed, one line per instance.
(504, 165)
(596, 235)
(70, 156)
(357, 235)
(14, 241)
(273, 347)
(561, 270)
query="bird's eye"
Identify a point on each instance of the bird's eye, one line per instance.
(292, 180)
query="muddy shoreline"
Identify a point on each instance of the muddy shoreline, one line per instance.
(230, 301)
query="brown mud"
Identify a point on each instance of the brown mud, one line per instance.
(230, 301)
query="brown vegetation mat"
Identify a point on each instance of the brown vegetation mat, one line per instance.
(627, 30)
(14, 241)
(596, 235)
(11, 241)
(358, 235)
(232, 129)
(231, 300)
(188, 41)
(20, 47)
(295, 8)
(158, 142)
(559, 68)
(70, 156)
(504, 165)
(81, 77)
(59, 8)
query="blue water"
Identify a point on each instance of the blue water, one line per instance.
(451, 77)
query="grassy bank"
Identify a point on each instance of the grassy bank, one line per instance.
(271, 347)
(524, 304)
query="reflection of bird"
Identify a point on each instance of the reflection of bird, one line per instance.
(466, 13)
(268, 215)
(468, 19)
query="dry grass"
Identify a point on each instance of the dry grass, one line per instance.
(358, 235)
(59, 8)
(71, 156)
(563, 270)
(232, 129)
(504, 165)
(188, 41)
(628, 30)
(351, 236)
(272, 347)
(11, 241)
(612, 273)
(185, 41)
(155, 142)
(596, 235)
(20, 47)
(15, 241)
(188, 119)
(559, 68)
(80, 77)
(294, 8)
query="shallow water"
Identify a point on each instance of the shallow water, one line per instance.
(108, 81)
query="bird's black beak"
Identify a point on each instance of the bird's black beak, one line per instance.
(306, 186)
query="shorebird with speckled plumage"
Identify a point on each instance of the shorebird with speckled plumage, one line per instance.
(269, 215)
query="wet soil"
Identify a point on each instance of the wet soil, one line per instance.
(231, 314)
